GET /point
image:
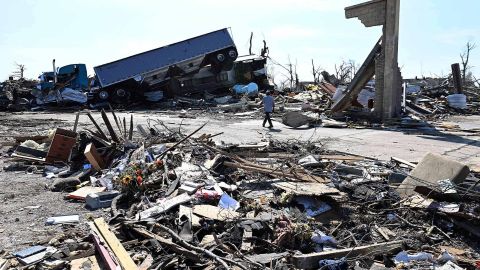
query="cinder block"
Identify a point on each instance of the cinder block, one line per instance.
(430, 170)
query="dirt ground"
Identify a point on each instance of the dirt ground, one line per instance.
(26, 203)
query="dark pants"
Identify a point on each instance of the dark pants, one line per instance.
(267, 118)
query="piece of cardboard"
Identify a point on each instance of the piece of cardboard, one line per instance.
(81, 193)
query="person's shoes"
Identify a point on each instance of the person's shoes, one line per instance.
(270, 127)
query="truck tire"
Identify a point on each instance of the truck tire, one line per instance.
(216, 61)
(121, 95)
(103, 95)
(232, 54)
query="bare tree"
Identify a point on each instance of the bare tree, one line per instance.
(291, 75)
(465, 56)
(354, 69)
(271, 72)
(346, 70)
(250, 48)
(19, 72)
(316, 72)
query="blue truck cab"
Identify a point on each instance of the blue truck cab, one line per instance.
(73, 76)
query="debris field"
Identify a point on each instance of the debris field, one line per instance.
(172, 200)
(120, 188)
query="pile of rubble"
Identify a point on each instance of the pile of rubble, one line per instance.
(436, 98)
(179, 201)
(15, 94)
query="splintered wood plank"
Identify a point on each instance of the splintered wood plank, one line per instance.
(169, 244)
(125, 260)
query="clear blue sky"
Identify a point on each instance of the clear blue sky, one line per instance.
(432, 32)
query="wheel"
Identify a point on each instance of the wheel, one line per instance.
(121, 92)
(220, 57)
(121, 95)
(103, 95)
(232, 53)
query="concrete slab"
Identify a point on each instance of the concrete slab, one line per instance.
(430, 170)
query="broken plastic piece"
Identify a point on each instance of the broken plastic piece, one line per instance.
(63, 220)
(227, 202)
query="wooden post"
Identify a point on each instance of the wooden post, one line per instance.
(109, 126)
(100, 131)
(130, 132)
(116, 119)
(124, 129)
(76, 122)
(457, 78)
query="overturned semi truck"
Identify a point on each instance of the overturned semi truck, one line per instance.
(155, 73)
(149, 75)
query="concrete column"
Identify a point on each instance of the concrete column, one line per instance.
(392, 82)
(379, 84)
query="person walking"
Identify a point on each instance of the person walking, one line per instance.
(268, 108)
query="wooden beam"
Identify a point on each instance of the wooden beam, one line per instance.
(341, 157)
(276, 172)
(124, 129)
(124, 259)
(309, 261)
(76, 122)
(169, 244)
(109, 126)
(130, 132)
(402, 161)
(179, 142)
(142, 131)
(116, 119)
(100, 131)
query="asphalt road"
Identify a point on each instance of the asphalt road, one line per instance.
(381, 143)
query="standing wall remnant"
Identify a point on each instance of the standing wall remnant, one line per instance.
(388, 86)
